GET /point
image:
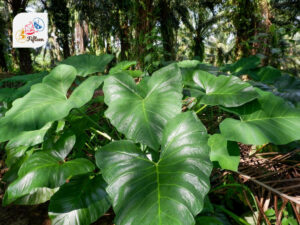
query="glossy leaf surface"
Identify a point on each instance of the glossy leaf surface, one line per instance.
(170, 191)
(141, 111)
(47, 102)
(80, 202)
(274, 122)
(88, 64)
(47, 169)
(225, 153)
(227, 91)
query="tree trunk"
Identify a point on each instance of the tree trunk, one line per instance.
(24, 56)
(199, 47)
(60, 16)
(245, 22)
(3, 66)
(144, 25)
(124, 36)
(265, 26)
(167, 32)
(25, 60)
(3, 41)
(79, 38)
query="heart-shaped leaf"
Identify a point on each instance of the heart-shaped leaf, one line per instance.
(80, 202)
(227, 91)
(47, 169)
(47, 102)
(275, 122)
(225, 153)
(141, 111)
(88, 64)
(170, 191)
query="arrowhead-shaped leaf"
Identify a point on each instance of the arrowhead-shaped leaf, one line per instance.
(141, 111)
(170, 191)
(47, 169)
(88, 64)
(80, 202)
(225, 153)
(47, 102)
(274, 122)
(227, 91)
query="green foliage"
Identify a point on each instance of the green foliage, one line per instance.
(143, 191)
(88, 64)
(271, 121)
(223, 90)
(124, 66)
(47, 169)
(154, 161)
(47, 102)
(243, 65)
(141, 111)
(225, 153)
(80, 202)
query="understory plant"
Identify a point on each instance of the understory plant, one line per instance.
(88, 140)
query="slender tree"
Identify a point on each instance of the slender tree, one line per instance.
(246, 22)
(60, 15)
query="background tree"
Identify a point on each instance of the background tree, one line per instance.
(24, 57)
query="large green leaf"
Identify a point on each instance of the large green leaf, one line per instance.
(141, 111)
(227, 91)
(88, 64)
(47, 169)
(243, 65)
(80, 202)
(225, 153)
(275, 121)
(47, 102)
(170, 191)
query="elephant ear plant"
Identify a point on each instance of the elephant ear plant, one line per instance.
(134, 149)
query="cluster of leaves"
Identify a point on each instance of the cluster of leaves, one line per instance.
(267, 78)
(151, 162)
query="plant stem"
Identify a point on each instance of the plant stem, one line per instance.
(88, 118)
(96, 124)
(203, 107)
(103, 134)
